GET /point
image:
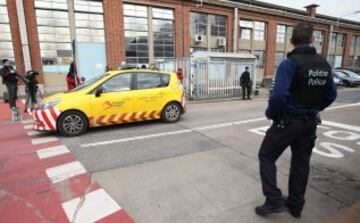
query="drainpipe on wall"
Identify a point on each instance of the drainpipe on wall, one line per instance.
(23, 34)
(236, 26)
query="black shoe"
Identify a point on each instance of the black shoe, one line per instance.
(243, 98)
(292, 211)
(249, 98)
(267, 208)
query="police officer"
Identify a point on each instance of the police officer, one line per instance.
(303, 87)
(245, 83)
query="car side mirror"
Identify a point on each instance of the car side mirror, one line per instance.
(98, 92)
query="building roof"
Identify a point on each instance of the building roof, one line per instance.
(286, 11)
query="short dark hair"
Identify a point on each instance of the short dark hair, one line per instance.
(302, 33)
(246, 68)
(4, 61)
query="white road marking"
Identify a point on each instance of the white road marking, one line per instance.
(27, 127)
(65, 171)
(53, 151)
(97, 205)
(34, 133)
(322, 127)
(260, 131)
(343, 106)
(203, 128)
(341, 125)
(43, 140)
(342, 135)
(27, 121)
(358, 143)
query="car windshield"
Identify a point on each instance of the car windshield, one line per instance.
(350, 73)
(87, 83)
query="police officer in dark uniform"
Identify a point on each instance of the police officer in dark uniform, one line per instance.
(303, 87)
(245, 83)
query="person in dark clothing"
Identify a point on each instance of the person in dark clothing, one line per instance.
(31, 89)
(10, 78)
(245, 83)
(72, 78)
(303, 87)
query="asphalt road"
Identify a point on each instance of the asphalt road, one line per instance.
(205, 167)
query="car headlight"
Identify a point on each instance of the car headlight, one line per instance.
(49, 104)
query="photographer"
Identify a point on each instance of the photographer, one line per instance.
(31, 89)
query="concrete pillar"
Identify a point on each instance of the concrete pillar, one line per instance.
(270, 48)
(236, 29)
(114, 32)
(347, 49)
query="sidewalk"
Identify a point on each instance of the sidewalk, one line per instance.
(42, 181)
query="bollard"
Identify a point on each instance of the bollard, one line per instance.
(257, 89)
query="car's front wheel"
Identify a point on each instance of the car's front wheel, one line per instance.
(171, 113)
(72, 123)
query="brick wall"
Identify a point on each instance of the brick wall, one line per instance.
(114, 32)
(270, 48)
(33, 38)
(15, 35)
(347, 49)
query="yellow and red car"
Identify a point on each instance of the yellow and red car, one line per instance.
(116, 97)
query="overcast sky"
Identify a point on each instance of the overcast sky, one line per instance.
(327, 7)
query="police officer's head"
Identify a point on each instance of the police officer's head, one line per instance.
(247, 68)
(302, 34)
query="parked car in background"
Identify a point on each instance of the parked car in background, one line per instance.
(353, 69)
(337, 81)
(349, 78)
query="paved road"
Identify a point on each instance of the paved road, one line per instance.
(205, 168)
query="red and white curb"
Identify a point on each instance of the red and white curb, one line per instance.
(43, 182)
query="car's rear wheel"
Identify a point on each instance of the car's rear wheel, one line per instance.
(72, 123)
(171, 112)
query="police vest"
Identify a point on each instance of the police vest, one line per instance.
(309, 85)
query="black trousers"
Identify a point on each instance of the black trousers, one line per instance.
(12, 89)
(247, 88)
(300, 135)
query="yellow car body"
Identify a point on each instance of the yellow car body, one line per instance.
(120, 96)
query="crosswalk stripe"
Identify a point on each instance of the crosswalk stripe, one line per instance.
(65, 171)
(97, 205)
(43, 140)
(52, 151)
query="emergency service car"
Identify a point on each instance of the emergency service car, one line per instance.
(116, 97)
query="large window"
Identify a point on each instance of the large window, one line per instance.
(246, 28)
(218, 25)
(259, 31)
(340, 40)
(163, 33)
(252, 29)
(279, 57)
(89, 21)
(137, 22)
(54, 34)
(260, 55)
(136, 34)
(6, 47)
(280, 33)
(198, 23)
(318, 37)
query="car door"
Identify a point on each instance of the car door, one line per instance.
(114, 102)
(150, 94)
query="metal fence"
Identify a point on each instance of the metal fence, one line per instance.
(209, 80)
